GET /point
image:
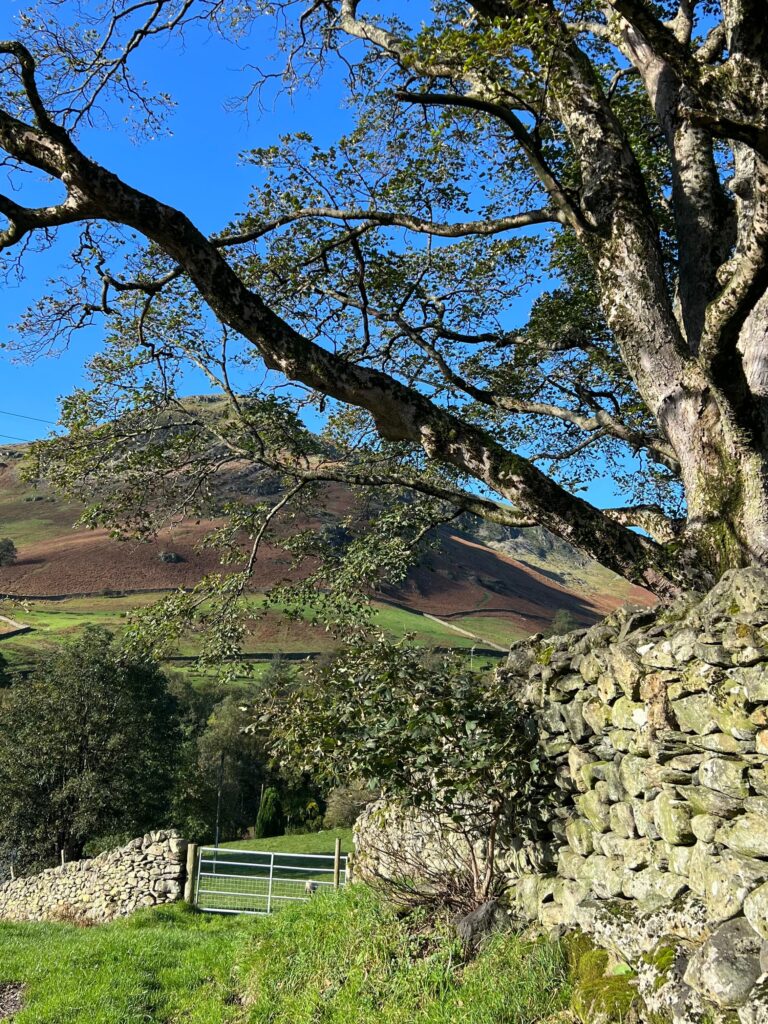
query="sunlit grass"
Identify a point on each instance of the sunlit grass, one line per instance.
(342, 958)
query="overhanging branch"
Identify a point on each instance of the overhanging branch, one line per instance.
(400, 412)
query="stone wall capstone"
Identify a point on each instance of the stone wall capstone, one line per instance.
(144, 873)
(654, 726)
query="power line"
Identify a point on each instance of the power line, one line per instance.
(21, 416)
(10, 437)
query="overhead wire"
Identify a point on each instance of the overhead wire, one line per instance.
(23, 416)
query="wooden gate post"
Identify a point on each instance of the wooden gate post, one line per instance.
(336, 863)
(189, 885)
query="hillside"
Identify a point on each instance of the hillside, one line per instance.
(484, 583)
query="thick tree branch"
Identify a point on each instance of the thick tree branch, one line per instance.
(383, 218)
(745, 280)
(400, 412)
(22, 220)
(650, 518)
(464, 500)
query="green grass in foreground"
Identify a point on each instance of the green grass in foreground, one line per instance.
(340, 959)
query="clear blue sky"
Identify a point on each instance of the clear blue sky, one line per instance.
(196, 168)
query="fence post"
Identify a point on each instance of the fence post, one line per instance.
(271, 875)
(336, 863)
(189, 884)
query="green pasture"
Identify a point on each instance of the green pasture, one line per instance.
(341, 958)
(271, 634)
(310, 842)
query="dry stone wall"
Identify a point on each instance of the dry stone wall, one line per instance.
(654, 727)
(146, 872)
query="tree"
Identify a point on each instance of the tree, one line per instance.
(269, 820)
(433, 736)
(610, 160)
(562, 622)
(8, 552)
(216, 730)
(88, 749)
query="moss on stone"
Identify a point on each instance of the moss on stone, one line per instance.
(662, 959)
(576, 945)
(607, 999)
(544, 657)
(592, 966)
(596, 994)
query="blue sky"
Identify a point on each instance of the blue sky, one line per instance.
(195, 168)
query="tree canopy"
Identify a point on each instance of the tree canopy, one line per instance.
(602, 164)
(88, 748)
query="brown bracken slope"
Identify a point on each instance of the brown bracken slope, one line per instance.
(462, 577)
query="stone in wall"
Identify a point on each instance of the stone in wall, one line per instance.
(655, 724)
(146, 872)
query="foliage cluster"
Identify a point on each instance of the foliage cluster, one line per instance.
(427, 731)
(88, 748)
(98, 746)
(269, 821)
(8, 552)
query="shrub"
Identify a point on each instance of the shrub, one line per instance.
(170, 557)
(8, 552)
(431, 733)
(562, 622)
(345, 804)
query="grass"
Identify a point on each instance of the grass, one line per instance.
(340, 959)
(498, 631)
(310, 842)
(348, 960)
(164, 965)
(275, 633)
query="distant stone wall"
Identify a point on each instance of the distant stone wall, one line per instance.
(144, 873)
(10, 628)
(654, 727)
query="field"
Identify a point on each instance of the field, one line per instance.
(340, 959)
(309, 842)
(269, 635)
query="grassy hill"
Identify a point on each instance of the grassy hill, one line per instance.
(481, 587)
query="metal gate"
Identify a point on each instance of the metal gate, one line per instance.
(257, 882)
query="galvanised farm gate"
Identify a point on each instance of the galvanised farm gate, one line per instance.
(232, 881)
